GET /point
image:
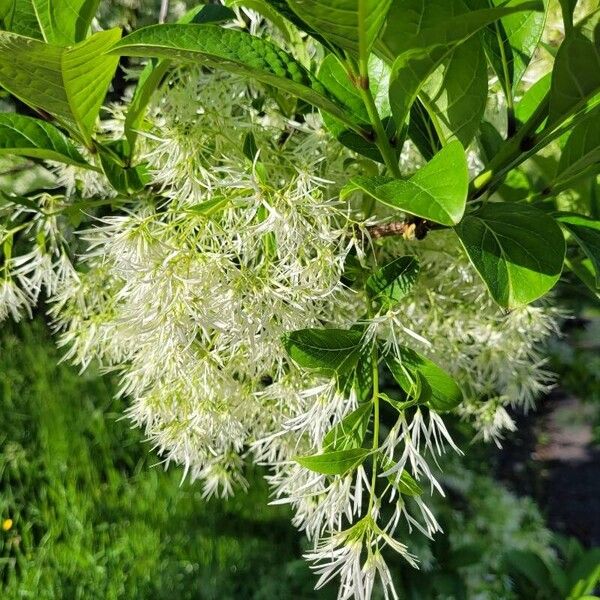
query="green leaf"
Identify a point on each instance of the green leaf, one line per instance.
(457, 92)
(155, 71)
(511, 42)
(576, 73)
(234, 51)
(283, 8)
(405, 484)
(422, 36)
(337, 462)
(437, 192)
(393, 281)
(353, 25)
(26, 136)
(517, 249)
(350, 431)
(490, 141)
(586, 232)
(581, 152)
(533, 97)
(65, 22)
(443, 394)
(19, 17)
(334, 76)
(125, 179)
(69, 83)
(586, 273)
(329, 351)
(422, 131)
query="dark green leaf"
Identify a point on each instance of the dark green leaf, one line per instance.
(586, 233)
(517, 249)
(437, 192)
(576, 73)
(393, 281)
(490, 141)
(405, 483)
(334, 463)
(350, 431)
(234, 51)
(421, 130)
(443, 393)
(26, 136)
(349, 24)
(329, 351)
(125, 179)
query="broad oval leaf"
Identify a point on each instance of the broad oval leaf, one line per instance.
(328, 351)
(350, 431)
(423, 35)
(337, 462)
(517, 250)
(437, 192)
(586, 233)
(69, 83)
(349, 24)
(457, 92)
(234, 51)
(393, 281)
(443, 392)
(26, 136)
(576, 72)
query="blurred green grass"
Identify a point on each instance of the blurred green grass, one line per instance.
(93, 517)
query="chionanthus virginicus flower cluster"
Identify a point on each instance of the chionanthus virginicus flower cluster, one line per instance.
(188, 298)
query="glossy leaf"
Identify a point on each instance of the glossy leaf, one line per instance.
(65, 22)
(581, 150)
(337, 462)
(533, 97)
(350, 431)
(437, 192)
(392, 282)
(124, 178)
(69, 83)
(457, 92)
(443, 392)
(511, 42)
(576, 73)
(26, 136)
(328, 351)
(349, 24)
(517, 249)
(586, 232)
(234, 51)
(423, 35)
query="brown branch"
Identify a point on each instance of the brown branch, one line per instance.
(409, 230)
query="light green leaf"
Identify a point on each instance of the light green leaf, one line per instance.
(329, 351)
(69, 83)
(576, 73)
(456, 93)
(423, 36)
(443, 392)
(65, 22)
(437, 192)
(581, 150)
(350, 431)
(26, 136)
(511, 42)
(517, 249)
(350, 24)
(393, 281)
(533, 97)
(234, 51)
(337, 462)
(586, 232)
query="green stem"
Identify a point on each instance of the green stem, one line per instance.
(381, 138)
(375, 447)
